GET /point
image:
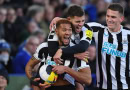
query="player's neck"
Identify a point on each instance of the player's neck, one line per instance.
(116, 29)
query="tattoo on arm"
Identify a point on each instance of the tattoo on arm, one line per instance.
(33, 58)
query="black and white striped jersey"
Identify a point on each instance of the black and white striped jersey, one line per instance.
(113, 57)
(42, 55)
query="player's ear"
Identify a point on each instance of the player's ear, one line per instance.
(56, 30)
(122, 18)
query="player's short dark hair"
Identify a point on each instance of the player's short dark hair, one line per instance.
(64, 21)
(75, 10)
(116, 7)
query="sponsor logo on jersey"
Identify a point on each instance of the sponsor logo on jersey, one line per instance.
(111, 49)
(106, 35)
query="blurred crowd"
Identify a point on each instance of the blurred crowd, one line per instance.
(24, 24)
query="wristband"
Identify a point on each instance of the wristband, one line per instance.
(32, 82)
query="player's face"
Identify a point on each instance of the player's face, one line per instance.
(64, 33)
(78, 22)
(113, 20)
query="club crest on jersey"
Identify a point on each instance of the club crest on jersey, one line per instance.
(89, 34)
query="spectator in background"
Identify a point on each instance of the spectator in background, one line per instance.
(40, 34)
(3, 13)
(23, 56)
(4, 78)
(92, 63)
(102, 18)
(5, 54)
(30, 28)
(127, 24)
(101, 6)
(48, 16)
(59, 6)
(91, 10)
(127, 11)
(35, 13)
(13, 29)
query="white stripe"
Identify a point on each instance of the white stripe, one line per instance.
(113, 62)
(39, 48)
(95, 35)
(95, 24)
(123, 61)
(105, 39)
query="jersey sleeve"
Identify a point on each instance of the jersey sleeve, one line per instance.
(39, 53)
(95, 26)
(81, 64)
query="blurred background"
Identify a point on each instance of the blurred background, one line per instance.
(24, 24)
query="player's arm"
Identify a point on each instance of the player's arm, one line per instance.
(78, 48)
(53, 22)
(83, 44)
(30, 66)
(82, 76)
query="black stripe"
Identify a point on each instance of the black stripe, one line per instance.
(72, 62)
(128, 65)
(78, 63)
(88, 38)
(89, 28)
(81, 34)
(53, 47)
(43, 51)
(51, 36)
(100, 41)
(118, 61)
(96, 29)
(108, 64)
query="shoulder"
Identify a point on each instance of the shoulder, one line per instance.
(127, 29)
(95, 24)
(42, 45)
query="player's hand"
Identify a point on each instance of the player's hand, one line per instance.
(44, 85)
(35, 83)
(57, 57)
(59, 69)
(82, 56)
(53, 22)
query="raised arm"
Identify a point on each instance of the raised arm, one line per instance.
(84, 43)
(53, 22)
